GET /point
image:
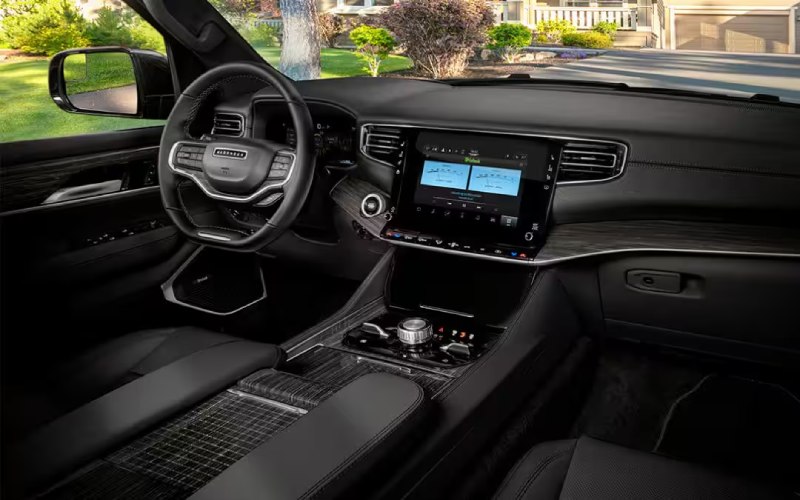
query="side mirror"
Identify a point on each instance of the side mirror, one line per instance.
(112, 81)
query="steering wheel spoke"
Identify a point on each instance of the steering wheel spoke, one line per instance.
(243, 170)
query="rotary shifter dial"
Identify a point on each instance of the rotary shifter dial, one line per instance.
(414, 331)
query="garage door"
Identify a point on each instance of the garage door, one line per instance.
(735, 33)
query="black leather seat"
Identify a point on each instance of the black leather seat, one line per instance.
(586, 468)
(57, 390)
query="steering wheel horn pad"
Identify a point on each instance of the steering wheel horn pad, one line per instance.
(236, 170)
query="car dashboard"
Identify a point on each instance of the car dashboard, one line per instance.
(578, 172)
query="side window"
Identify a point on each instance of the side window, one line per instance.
(31, 31)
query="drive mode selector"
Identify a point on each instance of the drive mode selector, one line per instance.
(414, 331)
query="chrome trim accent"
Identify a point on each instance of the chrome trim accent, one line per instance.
(271, 402)
(212, 236)
(381, 205)
(446, 311)
(217, 154)
(213, 129)
(169, 292)
(81, 201)
(548, 262)
(362, 145)
(385, 364)
(375, 329)
(201, 182)
(460, 253)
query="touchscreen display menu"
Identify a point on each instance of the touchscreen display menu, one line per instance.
(465, 187)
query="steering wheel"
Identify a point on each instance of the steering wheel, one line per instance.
(246, 171)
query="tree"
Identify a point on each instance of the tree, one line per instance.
(439, 35)
(373, 46)
(300, 54)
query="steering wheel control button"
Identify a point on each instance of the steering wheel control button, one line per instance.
(270, 200)
(373, 204)
(414, 331)
(280, 167)
(190, 157)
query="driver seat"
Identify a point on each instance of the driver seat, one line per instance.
(55, 391)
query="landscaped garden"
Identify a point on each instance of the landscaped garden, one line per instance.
(406, 40)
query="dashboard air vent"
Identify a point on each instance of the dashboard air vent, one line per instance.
(590, 161)
(385, 144)
(228, 124)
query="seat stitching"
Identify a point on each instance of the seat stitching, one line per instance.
(387, 431)
(538, 472)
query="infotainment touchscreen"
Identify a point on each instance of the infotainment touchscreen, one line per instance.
(469, 191)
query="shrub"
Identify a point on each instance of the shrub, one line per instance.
(46, 27)
(606, 28)
(330, 26)
(553, 30)
(372, 45)
(587, 40)
(439, 36)
(144, 36)
(262, 34)
(508, 39)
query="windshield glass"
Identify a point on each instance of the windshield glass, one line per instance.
(713, 47)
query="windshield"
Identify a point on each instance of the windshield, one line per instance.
(715, 47)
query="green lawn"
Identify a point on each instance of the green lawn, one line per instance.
(27, 112)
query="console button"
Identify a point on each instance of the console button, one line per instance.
(425, 239)
(457, 349)
(508, 221)
(529, 236)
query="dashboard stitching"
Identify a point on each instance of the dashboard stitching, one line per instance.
(204, 95)
(711, 168)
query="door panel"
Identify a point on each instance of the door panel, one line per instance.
(88, 265)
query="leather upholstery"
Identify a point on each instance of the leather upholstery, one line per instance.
(327, 451)
(182, 367)
(74, 382)
(586, 468)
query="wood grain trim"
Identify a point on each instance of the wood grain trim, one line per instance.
(349, 193)
(573, 241)
(26, 186)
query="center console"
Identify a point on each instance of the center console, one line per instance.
(481, 195)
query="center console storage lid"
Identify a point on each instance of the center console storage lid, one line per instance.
(329, 449)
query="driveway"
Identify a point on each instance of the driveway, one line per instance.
(736, 74)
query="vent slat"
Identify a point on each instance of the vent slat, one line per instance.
(384, 144)
(228, 124)
(590, 161)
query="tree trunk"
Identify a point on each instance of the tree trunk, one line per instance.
(300, 51)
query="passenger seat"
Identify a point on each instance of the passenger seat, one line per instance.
(586, 468)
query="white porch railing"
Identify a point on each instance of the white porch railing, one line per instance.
(586, 17)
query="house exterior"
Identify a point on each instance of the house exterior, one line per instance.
(761, 26)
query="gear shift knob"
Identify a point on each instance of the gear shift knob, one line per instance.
(414, 331)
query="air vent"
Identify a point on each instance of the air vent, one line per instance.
(591, 161)
(228, 124)
(385, 144)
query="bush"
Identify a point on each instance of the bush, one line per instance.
(508, 39)
(262, 34)
(587, 40)
(45, 28)
(373, 46)
(606, 28)
(144, 36)
(553, 30)
(439, 36)
(330, 26)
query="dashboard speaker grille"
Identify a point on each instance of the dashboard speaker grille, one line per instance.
(590, 161)
(229, 124)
